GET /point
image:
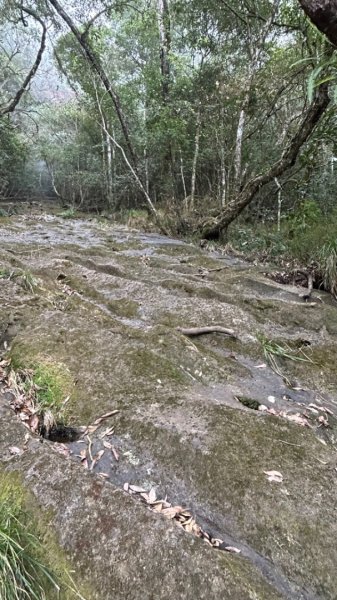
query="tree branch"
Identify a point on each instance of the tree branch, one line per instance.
(15, 101)
(212, 229)
(95, 64)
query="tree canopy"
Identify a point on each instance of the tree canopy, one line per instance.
(200, 109)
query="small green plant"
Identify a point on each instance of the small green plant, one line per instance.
(28, 282)
(68, 213)
(45, 387)
(23, 574)
(5, 273)
(25, 277)
(273, 350)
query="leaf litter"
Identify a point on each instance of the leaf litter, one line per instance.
(180, 515)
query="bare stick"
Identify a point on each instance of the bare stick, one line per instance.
(194, 331)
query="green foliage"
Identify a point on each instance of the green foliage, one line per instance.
(47, 385)
(24, 277)
(23, 573)
(69, 213)
(307, 215)
(261, 240)
(327, 259)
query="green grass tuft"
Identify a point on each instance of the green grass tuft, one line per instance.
(23, 574)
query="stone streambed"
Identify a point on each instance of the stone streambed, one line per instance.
(103, 304)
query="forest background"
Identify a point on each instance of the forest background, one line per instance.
(207, 118)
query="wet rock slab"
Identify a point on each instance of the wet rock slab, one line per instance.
(107, 305)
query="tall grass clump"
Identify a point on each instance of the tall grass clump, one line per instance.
(23, 574)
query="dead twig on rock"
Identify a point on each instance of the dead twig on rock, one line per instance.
(195, 331)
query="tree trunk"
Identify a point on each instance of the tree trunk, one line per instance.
(213, 228)
(164, 26)
(323, 13)
(238, 147)
(195, 157)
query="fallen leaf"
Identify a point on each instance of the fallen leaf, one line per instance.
(295, 418)
(137, 490)
(109, 431)
(126, 487)
(96, 458)
(104, 417)
(104, 475)
(34, 422)
(171, 512)
(107, 445)
(15, 450)
(323, 420)
(216, 542)
(115, 453)
(274, 476)
(152, 496)
(231, 549)
(61, 449)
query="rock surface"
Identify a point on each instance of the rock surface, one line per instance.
(104, 303)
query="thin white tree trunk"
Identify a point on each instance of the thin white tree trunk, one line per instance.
(195, 157)
(279, 204)
(109, 166)
(183, 182)
(238, 147)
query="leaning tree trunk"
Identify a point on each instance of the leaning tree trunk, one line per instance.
(213, 228)
(323, 13)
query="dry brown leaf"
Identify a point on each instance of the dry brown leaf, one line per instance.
(152, 496)
(216, 542)
(109, 431)
(61, 449)
(14, 450)
(83, 454)
(115, 453)
(232, 549)
(107, 445)
(104, 475)
(104, 417)
(189, 525)
(96, 458)
(274, 476)
(323, 421)
(171, 512)
(34, 423)
(295, 418)
(158, 507)
(137, 490)
(24, 416)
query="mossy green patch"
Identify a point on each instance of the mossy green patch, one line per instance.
(123, 307)
(152, 365)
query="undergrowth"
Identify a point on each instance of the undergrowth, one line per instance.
(307, 239)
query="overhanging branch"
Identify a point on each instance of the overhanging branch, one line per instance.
(15, 101)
